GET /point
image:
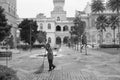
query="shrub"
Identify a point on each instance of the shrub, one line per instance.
(7, 73)
(26, 47)
(109, 46)
(38, 46)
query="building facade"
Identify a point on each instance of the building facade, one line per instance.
(58, 26)
(93, 35)
(10, 12)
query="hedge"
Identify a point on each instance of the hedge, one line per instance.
(109, 46)
(7, 73)
(26, 47)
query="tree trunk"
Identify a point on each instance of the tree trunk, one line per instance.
(114, 35)
(77, 46)
(118, 25)
(102, 36)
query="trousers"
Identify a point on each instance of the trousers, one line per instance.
(51, 65)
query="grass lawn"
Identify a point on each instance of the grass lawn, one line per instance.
(112, 51)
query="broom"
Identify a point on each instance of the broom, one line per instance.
(41, 68)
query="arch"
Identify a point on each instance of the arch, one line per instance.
(49, 39)
(58, 28)
(49, 26)
(65, 28)
(65, 39)
(108, 35)
(58, 40)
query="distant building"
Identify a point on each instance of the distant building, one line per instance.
(93, 35)
(57, 26)
(10, 12)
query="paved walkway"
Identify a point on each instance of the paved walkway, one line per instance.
(72, 65)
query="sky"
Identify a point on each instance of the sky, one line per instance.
(30, 8)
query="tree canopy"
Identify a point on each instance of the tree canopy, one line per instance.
(97, 6)
(28, 30)
(78, 29)
(114, 5)
(101, 23)
(4, 27)
(41, 36)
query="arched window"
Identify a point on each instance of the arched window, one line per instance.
(65, 28)
(49, 26)
(58, 40)
(58, 18)
(108, 35)
(49, 40)
(65, 40)
(41, 26)
(58, 28)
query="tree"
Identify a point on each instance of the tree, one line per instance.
(41, 36)
(101, 24)
(114, 5)
(97, 6)
(78, 29)
(4, 27)
(113, 23)
(28, 31)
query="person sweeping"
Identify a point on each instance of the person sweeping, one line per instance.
(50, 56)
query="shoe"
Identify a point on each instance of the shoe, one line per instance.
(54, 67)
(50, 70)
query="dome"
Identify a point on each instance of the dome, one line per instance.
(58, 0)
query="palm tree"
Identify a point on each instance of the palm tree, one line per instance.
(114, 22)
(114, 5)
(98, 7)
(101, 24)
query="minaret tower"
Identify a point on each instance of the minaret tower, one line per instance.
(58, 13)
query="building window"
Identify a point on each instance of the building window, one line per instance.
(41, 26)
(58, 18)
(65, 40)
(49, 40)
(65, 28)
(49, 26)
(58, 28)
(58, 40)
